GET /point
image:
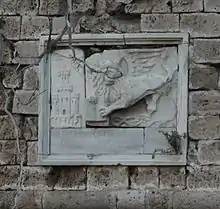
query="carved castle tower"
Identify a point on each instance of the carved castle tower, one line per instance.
(65, 104)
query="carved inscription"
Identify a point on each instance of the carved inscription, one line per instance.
(68, 91)
(137, 87)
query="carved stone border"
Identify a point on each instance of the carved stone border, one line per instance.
(181, 40)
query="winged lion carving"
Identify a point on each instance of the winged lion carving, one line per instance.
(130, 76)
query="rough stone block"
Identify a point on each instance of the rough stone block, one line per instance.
(187, 5)
(52, 7)
(204, 103)
(27, 52)
(83, 6)
(30, 128)
(58, 24)
(204, 127)
(158, 199)
(142, 6)
(33, 26)
(172, 177)
(21, 7)
(208, 152)
(6, 52)
(79, 199)
(25, 102)
(126, 25)
(105, 23)
(131, 199)
(203, 177)
(30, 199)
(13, 77)
(192, 156)
(36, 178)
(9, 152)
(9, 177)
(4, 99)
(211, 6)
(67, 178)
(201, 25)
(99, 178)
(7, 199)
(12, 27)
(7, 129)
(144, 177)
(203, 77)
(31, 80)
(159, 22)
(206, 50)
(196, 200)
(8, 7)
(32, 153)
(25, 7)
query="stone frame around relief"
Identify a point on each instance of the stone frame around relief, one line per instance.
(45, 144)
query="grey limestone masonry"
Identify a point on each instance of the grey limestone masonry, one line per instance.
(195, 185)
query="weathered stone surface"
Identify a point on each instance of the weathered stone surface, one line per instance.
(131, 199)
(79, 199)
(13, 77)
(99, 178)
(27, 52)
(68, 178)
(32, 153)
(203, 177)
(204, 127)
(203, 77)
(9, 152)
(7, 129)
(192, 157)
(6, 52)
(211, 6)
(25, 102)
(201, 25)
(208, 152)
(204, 103)
(159, 22)
(30, 128)
(15, 7)
(144, 177)
(7, 199)
(12, 27)
(36, 178)
(126, 24)
(206, 50)
(33, 26)
(151, 6)
(8, 7)
(4, 99)
(31, 80)
(106, 23)
(52, 7)
(30, 199)
(58, 24)
(83, 6)
(187, 5)
(196, 200)
(9, 177)
(172, 177)
(158, 199)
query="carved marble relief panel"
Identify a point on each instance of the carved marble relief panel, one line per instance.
(134, 88)
(109, 103)
(67, 90)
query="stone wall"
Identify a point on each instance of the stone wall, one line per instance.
(193, 186)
